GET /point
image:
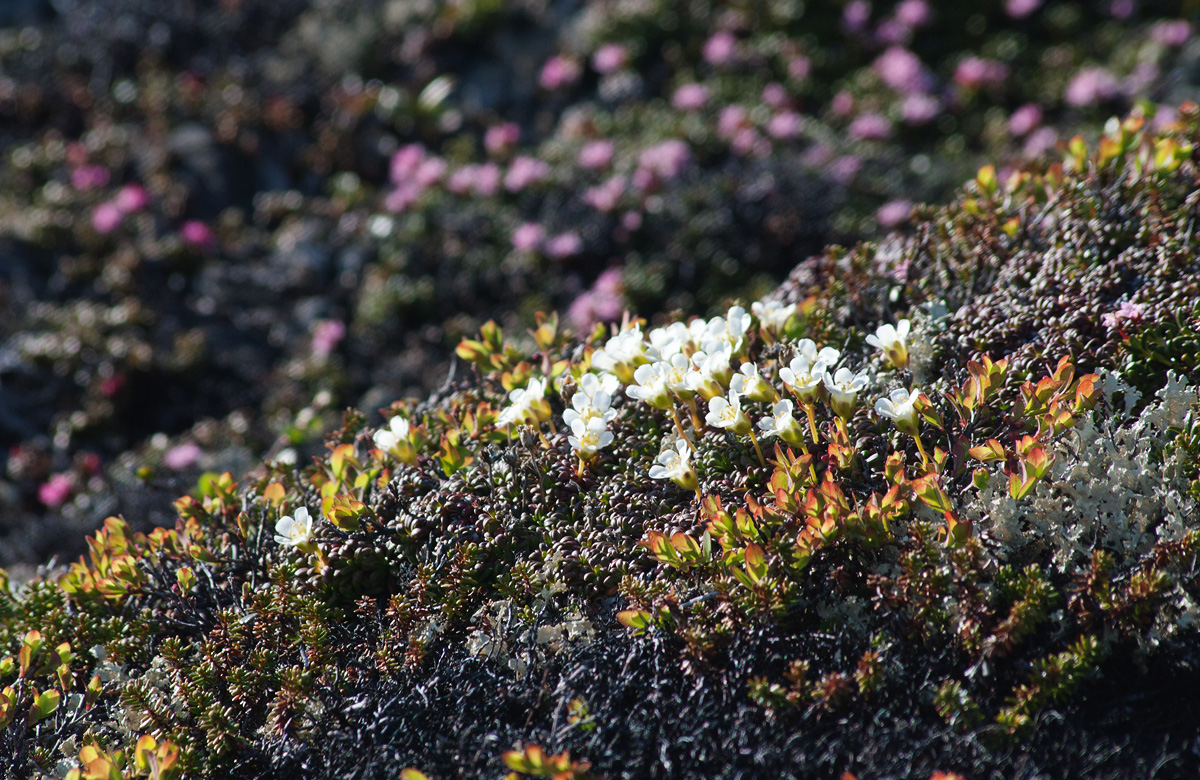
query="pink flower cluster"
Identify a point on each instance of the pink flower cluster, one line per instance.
(604, 302)
(412, 172)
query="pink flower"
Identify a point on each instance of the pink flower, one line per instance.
(405, 163)
(919, 108)
(197, 235)
(500, 138)
(870, 127)
(842, 104)
(564, 245)
(558, 72)
(690, 97)
(631, 220)
(667, 159)
(429, 172)
(487, 179)
(1091, 86)
(845, 168)
(720, 48)
(596, 155)
(1171, 32)
(891, 214)
(799, 68)
(976, 72)
(1127, 312)
(326, 336)
(733, 119)
(528, 237)
(1019, 9)
(856, 15)
(181, 457)
(132, 197)
(610, 57)
(606, 197)
(525, 171)
(913, 13)
(1121, 9)
(1039, 141)
(748, 142)
(89, 177)
(602, 303)
(1025, 119)
(774, 95)
(403, 196)
(902, 70)
(462, 180)
(785, 124)
(111, 385)
(107, 217)
(55, 491)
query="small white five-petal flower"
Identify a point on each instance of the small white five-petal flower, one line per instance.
(295, 531)
(672, 463)
(844, 387)
(893, 341)
(899, 407)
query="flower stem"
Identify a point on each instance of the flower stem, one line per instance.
(758, 449)
(810, 409)
(679, 427)
(691, 402)
(921, 449)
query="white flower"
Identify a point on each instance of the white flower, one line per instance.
(388, 438)
(651, 386)
(712, 371)
(672, 463)
(668, 341)
(807, 370)
(749, 382)
(844, 387)
(772, 314)
(730, 329)
(590, 384)
(893, 341)
(295, 531)
(781, 423)
(525, 403)
(589, 438)
(621, 354)
(898, 407)
(675, 373)
(728, 414)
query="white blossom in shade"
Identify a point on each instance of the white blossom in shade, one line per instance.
(844, 387)
(622, 354)
(749, 383)
(390, 437)
(893, 341)
(295, 530)
(525, 404)
(672, 463)
(781, 423)
(728, 414)
(711, 373)
(899, 407)
(772, 314)
(650, 387)
(805, 374)
(588, 438)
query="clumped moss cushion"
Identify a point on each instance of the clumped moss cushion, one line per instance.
(930, 507)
